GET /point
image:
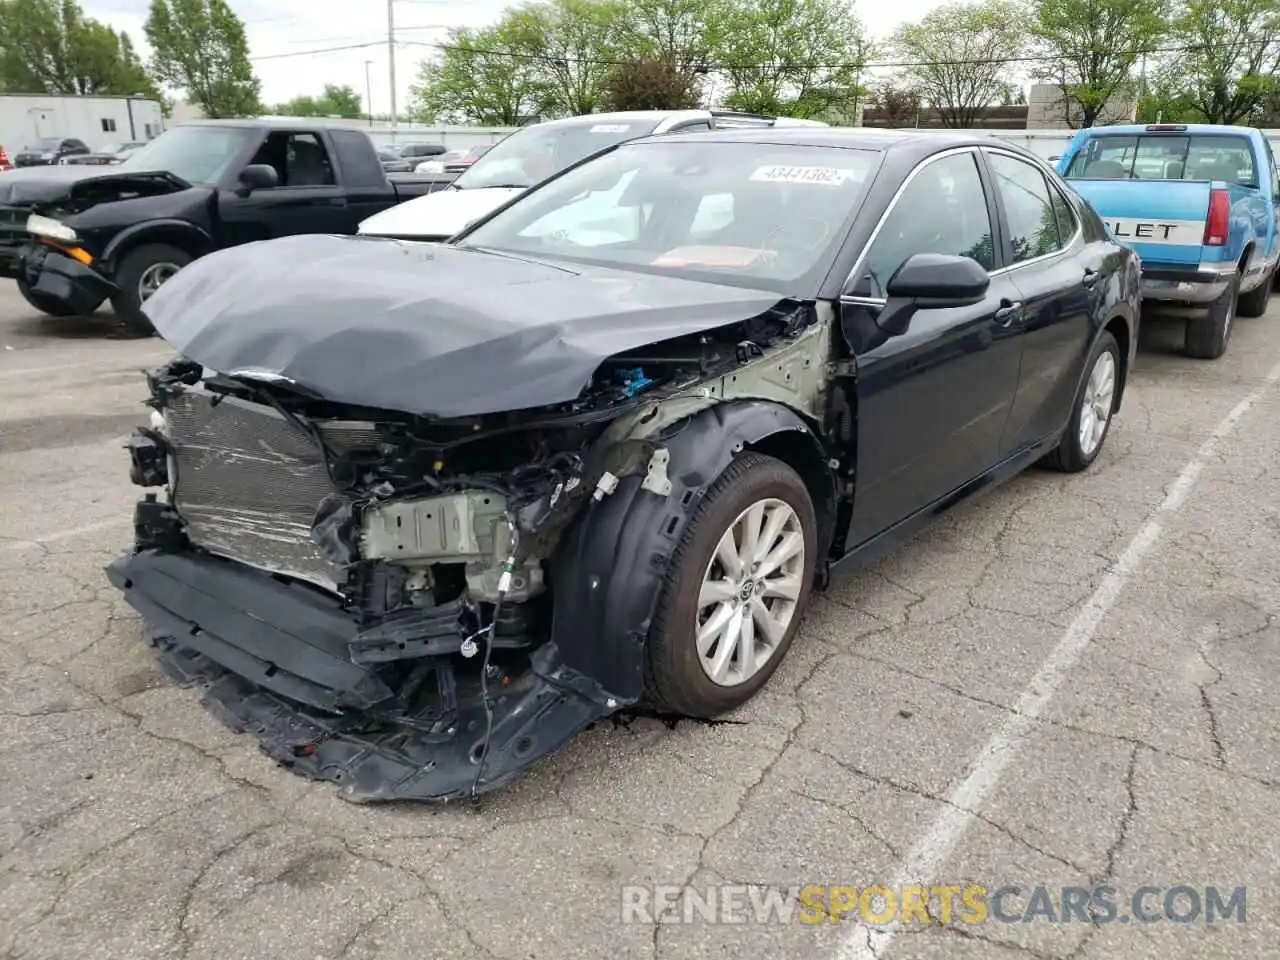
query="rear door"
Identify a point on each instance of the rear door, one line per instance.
(932, 403)
(1058, 277)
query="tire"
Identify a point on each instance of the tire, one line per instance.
(1075, 452)
(676, 679)
(149, 261)
(1209, 334)
(1254, 303)
(42, 303)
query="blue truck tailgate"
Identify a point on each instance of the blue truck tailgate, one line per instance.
(1162, 221)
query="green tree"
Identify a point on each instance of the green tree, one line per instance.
(336, 101)
(50, 46)
(958, 57)
(576, 44)
(895, 105)
(199, 46)
(650, 83)
(1091, 47)
(484, 76)
(802, 57)
(1232, 55)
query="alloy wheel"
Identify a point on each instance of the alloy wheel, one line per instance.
(750, 591)
(153, 278)
(1096, 405)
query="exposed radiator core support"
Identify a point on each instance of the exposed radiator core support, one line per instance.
(248, 483)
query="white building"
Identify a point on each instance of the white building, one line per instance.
(98, 121)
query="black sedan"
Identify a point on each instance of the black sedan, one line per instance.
(598, 449)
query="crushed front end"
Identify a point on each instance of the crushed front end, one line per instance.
(421, 608)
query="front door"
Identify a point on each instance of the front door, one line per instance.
(931, 403)
(307, 199)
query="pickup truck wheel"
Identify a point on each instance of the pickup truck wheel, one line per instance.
(42, 303)
(141, 273)
(1208, 335)
(1091, 416)
(736, 587)
(1254, 303)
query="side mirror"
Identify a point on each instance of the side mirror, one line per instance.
(929, 281)
(258, 176)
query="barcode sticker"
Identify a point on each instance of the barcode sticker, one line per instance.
(828, 176)
(611, 128)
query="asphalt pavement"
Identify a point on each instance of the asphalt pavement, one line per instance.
(1071, 684)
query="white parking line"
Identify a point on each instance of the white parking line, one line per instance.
(924, 860)
(71, 534)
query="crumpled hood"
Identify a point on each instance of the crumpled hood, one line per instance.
(32, 185)
(425, 328)
(439, 214)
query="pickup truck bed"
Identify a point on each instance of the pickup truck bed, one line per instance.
(75, 236)
(1198, 204)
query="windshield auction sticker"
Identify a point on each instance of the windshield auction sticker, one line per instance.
(610, 128)
(780, 173)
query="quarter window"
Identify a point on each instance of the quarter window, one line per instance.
(942, 210)
(1032, 219)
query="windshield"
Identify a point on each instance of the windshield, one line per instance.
(1163, 157)
(199, 155)
(759, 215)
(531, 155)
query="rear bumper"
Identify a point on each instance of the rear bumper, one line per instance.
(1198, 284)
(275, 658)
(56, 277)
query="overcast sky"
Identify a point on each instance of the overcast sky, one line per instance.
(292, 26)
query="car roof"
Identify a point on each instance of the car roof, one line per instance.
(912, 141)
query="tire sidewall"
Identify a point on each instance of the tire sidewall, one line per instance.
(770, 479)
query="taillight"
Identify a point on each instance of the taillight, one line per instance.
(1218, 225)
(4, 159)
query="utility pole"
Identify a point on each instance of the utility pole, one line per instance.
(368, 92)
(391, 59)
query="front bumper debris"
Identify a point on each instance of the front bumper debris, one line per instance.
(275, 658)
(57, 277)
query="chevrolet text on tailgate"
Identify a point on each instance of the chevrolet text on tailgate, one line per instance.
(1198, 205)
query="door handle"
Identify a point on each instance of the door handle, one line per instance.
(1091, 277)
(338, 201)
(1009, 311)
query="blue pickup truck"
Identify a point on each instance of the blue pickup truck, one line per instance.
(1199, 205)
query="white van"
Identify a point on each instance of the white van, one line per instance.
(532, 154)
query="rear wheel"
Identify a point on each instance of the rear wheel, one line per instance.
(53, 308)
(1254, 303)
(141, 273)
(736, 588)
(1091, 417)
(1209, 333)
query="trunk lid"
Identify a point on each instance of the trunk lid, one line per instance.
(1163, 221)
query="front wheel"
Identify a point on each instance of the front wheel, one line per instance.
(1094, 404)
(736, 587)
(142, 272)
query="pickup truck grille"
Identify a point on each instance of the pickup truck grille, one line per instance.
(247, 482)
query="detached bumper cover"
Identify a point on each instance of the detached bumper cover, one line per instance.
(274, 657)
(55, 276)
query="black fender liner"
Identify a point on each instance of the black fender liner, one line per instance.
(610, 563)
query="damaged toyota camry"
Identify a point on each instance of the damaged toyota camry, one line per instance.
(420, 513)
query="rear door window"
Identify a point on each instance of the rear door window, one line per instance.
(1032, 219)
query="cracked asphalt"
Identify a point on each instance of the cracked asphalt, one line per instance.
(133, 825)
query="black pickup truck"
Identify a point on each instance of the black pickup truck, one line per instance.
(76, 236)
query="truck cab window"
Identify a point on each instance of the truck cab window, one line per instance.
(300, 159)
